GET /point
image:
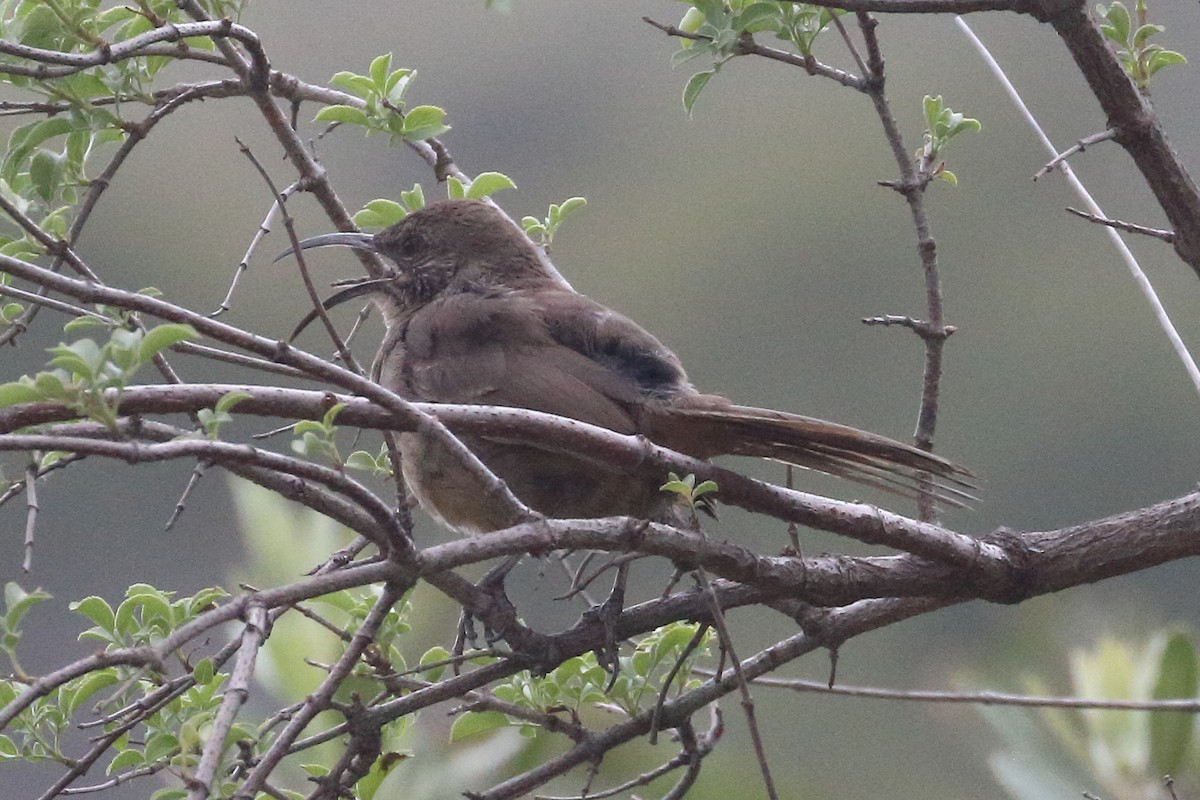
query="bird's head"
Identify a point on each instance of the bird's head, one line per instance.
(442, 249)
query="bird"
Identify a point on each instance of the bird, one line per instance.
(475, 313)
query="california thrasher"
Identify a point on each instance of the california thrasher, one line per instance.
(475, 316)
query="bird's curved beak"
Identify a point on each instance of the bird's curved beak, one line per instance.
(359, 241)
(355, 287)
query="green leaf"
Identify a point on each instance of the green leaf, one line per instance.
(488, 183)
(361, 460)
(379, 69)
(331, 415)
(758, 17)
(170, 793)
(18, 602)
(473, 723)
(692, 49)
(82, 323)
(50, 386)
(424, 122)
(307, 426)
(163, 336)
(53, 457)
(932, 106)
(454, 189)
(359, 85)
(387, 212)
(1164, 58)
(161, 745)
(8, 750)
(693, 18)
(346, 114)
(45, 171)
(203, 671)
(1171, 731)
(1118, 18)
(87, 687)
(83, 358)
(413, 199)
(95, 609)
(1145, 32)
(366, 218)
(397, 84)
(231, 399)
(30, 136)
(13, 393)
(570, 204)
(126, 758)
(694, 86)
(434, 655)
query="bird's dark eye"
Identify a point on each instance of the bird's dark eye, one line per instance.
(410, 244)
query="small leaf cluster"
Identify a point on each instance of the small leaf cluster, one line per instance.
(17, 603)
(725, 24)
(211, 419)
(382, 91)
(941, 125)
(144, 616)
(379, 465)
(581, 682)
(85, 370)
(316, 439)
(45, 161)
(692, 495)
(1128, 751)
(9, 312)
(1129, 41)
(382, 213)
(643, 674)
(170, 737)
(354, 606)
(542, 230)
(484, 185)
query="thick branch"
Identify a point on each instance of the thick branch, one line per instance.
(861, 521)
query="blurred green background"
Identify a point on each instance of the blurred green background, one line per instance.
(752, 239)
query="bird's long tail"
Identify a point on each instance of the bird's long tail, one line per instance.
(712, 427)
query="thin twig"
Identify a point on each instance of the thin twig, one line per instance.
(31, 514)
(264, 228)
(1078, 147)
(236, 693)
(181, 503)
(322, 314)
(987, 698)
(912, 186)
(747, 47)
(718, 617)
(1156, 233)
(50, 302)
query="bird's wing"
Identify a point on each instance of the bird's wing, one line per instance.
(641, 362)
(546, 351)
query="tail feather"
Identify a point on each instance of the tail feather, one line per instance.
(711, 426)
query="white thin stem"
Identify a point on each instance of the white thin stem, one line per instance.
(1139, 277)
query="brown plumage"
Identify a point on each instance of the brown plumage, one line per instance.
(474, 315)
